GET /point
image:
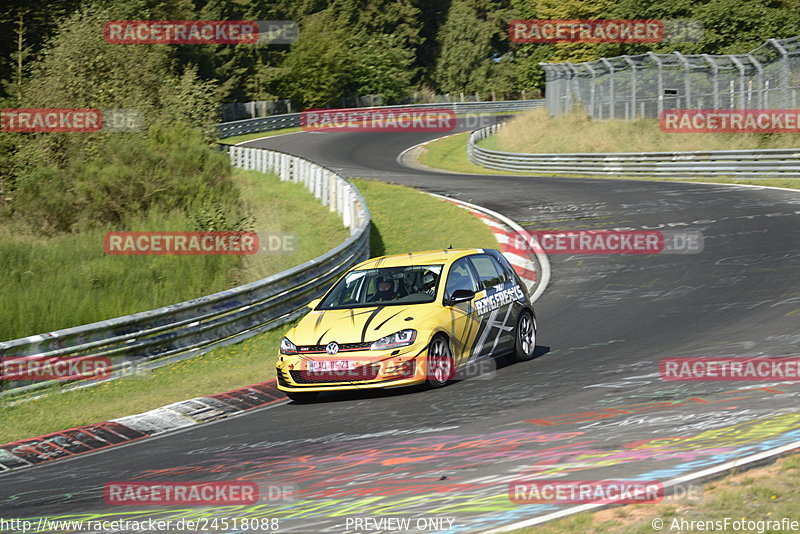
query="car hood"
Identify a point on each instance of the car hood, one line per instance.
(356, 325)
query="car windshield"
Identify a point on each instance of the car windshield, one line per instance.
(413, 284)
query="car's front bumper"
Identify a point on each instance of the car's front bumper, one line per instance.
(375, 369)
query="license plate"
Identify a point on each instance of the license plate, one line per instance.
(330, 365)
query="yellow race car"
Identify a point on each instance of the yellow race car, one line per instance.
(408, 319)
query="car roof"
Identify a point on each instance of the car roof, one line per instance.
(427, 257)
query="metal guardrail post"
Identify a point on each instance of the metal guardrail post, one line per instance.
(759, 77)
(784, 69)
(632, 65)
(573, 85)
(660, 81)
(593, 72)
(612, 98)
(715, 77)
(331, 192)
(740, 66)
(686, 81)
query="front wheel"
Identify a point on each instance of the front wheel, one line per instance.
(440, 365)
(526, 337)
(302, 397)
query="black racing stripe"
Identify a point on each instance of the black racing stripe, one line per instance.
(457, 342)
(319, 320)
(319, 341)
(388, 319)
(369, 320)
(352, 317)
(477, 333)
(453, 333)
(459, 338)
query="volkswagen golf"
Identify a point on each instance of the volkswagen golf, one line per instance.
(406, 319)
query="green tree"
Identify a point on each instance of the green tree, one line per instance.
(319, 63)
(335, 56)
(382, 67)
(67, 181)
(24, 28)
(473, 32)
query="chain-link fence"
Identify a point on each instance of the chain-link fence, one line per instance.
(642, 86)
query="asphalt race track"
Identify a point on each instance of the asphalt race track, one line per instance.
(448, 455)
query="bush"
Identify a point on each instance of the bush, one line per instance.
(169, 169)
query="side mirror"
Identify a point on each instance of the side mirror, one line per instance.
(461, 295)
(314, 303)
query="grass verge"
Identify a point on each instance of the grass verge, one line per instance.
(283, 207)
(765, 493)
(403, 220)
(536, 132)
(450, 154)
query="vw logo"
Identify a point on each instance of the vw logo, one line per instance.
(332, 348)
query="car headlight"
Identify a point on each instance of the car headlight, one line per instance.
(398, 339)
(287, 347)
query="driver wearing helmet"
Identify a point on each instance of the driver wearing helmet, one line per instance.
(429, 283)
(385, 290)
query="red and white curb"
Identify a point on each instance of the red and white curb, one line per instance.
(516, 244)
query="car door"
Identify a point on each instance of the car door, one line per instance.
(463, 319)
(494, 305)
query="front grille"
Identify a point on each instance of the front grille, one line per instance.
(282, 379)
(343, 347)
(359, 374)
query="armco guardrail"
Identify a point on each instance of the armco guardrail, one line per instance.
(229, 316)
(764, 163)
(290, 120)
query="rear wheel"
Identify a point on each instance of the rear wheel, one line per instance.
(302, 397)
(440, 365)
(525, 337)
